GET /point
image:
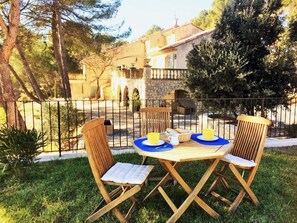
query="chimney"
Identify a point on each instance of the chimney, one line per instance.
(175, 21)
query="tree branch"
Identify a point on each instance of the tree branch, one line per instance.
(23, 84)
(3, 26)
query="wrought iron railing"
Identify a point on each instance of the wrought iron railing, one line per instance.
(62, 120)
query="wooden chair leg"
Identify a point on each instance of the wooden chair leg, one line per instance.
(217, 180)
(246, 188)
(135, 202)
(144, 159)
(111, 205)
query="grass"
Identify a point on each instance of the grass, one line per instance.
(65, 191)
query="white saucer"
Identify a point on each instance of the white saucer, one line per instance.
(200, 137)
(159, 143)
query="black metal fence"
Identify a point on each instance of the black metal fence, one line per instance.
(62, 120)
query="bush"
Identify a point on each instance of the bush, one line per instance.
(70, 120)
(18, 149)
(136, 102)
(291, 130)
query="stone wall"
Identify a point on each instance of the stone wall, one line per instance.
(159, 88)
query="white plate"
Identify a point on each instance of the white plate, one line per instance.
(200, 137)
(146, 142)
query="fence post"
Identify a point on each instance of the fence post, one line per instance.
(59, 130)
(171, 114)
(262, 108)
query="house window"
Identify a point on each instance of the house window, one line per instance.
(170, 60)
(147, 45)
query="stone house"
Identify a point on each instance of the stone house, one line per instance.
(142, 67)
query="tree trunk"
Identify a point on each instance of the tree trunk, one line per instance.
(13, 116)
(29, 73)
(10, 31)
(59, 49)
(97, 93)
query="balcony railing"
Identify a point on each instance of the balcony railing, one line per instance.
(61, 120)
(168, 74)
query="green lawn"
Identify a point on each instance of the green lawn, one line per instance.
(64, 191)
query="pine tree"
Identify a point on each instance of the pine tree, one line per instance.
(254, 28)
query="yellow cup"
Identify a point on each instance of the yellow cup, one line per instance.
(153, 137)
(208, 134)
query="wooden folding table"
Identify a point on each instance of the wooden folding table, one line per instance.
(171, 159)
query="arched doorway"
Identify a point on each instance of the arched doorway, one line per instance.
(119, 94)
(126, 96)
(185, 105)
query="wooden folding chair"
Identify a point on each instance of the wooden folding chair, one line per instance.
(154, 119)
(128, 178)
(244, 157)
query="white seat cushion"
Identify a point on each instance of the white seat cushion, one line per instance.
(238, 161)
(127, 173)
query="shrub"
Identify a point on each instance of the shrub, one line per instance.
(70, 120)
(18, 149)
(292, 130)
(136, 102)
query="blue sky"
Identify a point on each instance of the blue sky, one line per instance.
(141, 15)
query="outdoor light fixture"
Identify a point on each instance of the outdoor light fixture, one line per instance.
(107, 122)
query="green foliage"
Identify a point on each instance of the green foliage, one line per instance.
(152, 30)
(204, 20)
(247, 33)
(39, 54)
(18, 148)
(207, 19)
(136, 102)
(216, 70)
(70, 120)
(291, 130)
(257, 26)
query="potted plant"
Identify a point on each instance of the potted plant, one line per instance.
(136, 103)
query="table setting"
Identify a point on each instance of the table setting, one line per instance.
(159, 142)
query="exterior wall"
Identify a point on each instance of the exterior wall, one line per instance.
(183, 49)
(121, 82)
(77, 89)
(158, 89)
(133, 53)
(186, 31)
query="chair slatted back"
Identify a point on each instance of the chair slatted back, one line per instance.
(250, 137)
(97, 147)
(154, 119)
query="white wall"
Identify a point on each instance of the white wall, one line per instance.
(183, 49)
